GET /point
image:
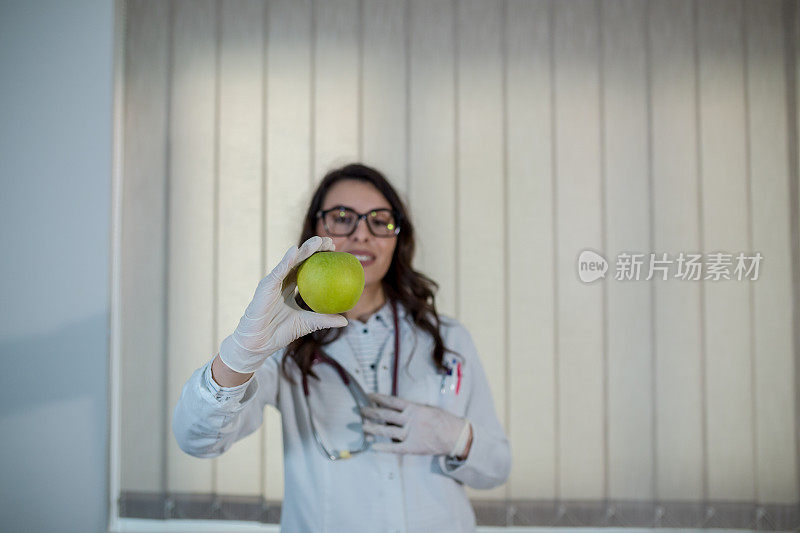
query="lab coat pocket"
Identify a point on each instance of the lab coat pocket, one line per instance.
(440, 394)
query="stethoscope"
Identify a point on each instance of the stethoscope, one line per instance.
(451, 382)
(355, 389)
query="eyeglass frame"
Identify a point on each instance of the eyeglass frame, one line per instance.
(361, 216)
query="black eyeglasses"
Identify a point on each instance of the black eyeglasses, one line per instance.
(341, 221)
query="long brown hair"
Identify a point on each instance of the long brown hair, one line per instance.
(414, 290)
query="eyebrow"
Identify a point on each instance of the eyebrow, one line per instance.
(354, 209)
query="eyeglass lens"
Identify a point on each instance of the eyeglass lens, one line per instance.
(341, 222)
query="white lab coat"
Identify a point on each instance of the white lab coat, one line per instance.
(372, 491)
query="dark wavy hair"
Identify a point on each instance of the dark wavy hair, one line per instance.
(402, 283)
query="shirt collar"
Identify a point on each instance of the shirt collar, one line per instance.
(384, 314)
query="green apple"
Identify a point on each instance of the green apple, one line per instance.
(331, 282)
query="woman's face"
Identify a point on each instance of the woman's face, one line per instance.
(363, 198)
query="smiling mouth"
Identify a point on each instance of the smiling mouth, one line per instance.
(364, 258)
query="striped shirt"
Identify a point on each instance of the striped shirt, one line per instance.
(367, 340)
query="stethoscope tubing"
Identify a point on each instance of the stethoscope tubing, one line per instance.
(351, 384)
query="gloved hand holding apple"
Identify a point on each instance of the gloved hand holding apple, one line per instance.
(273, 319)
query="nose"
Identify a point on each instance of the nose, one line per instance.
(361, 233)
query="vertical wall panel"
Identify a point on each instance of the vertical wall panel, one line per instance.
(431, 188)
(578, 197)
(775, 442)
(191, 218)
(383, 87)
(289, 166)
(144, 230)
(726, 228)
(676, 227)
(336, 84)
(529, 218)
(627, 218)
(239, 197)
(480, 192)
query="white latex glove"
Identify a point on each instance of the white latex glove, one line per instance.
(421, 429)
(273, 319)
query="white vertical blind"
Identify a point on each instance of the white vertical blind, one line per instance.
(725, 226)
(337, 85)
(384, 115)
(677, 315)
(529, 204)
(289, 157)
(520, 133)
(480, 190)
(773, 365)
(628, 307)
(239, 195)
(577, 200)
(432, 142)
(191, 218)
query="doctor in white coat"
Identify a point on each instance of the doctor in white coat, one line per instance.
(430, 428)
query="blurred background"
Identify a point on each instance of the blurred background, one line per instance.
(160, 156)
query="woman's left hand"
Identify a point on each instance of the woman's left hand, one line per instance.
(421, 429)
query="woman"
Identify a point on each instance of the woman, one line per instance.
(429, 424)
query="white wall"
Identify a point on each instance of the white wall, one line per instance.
(55, 172)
